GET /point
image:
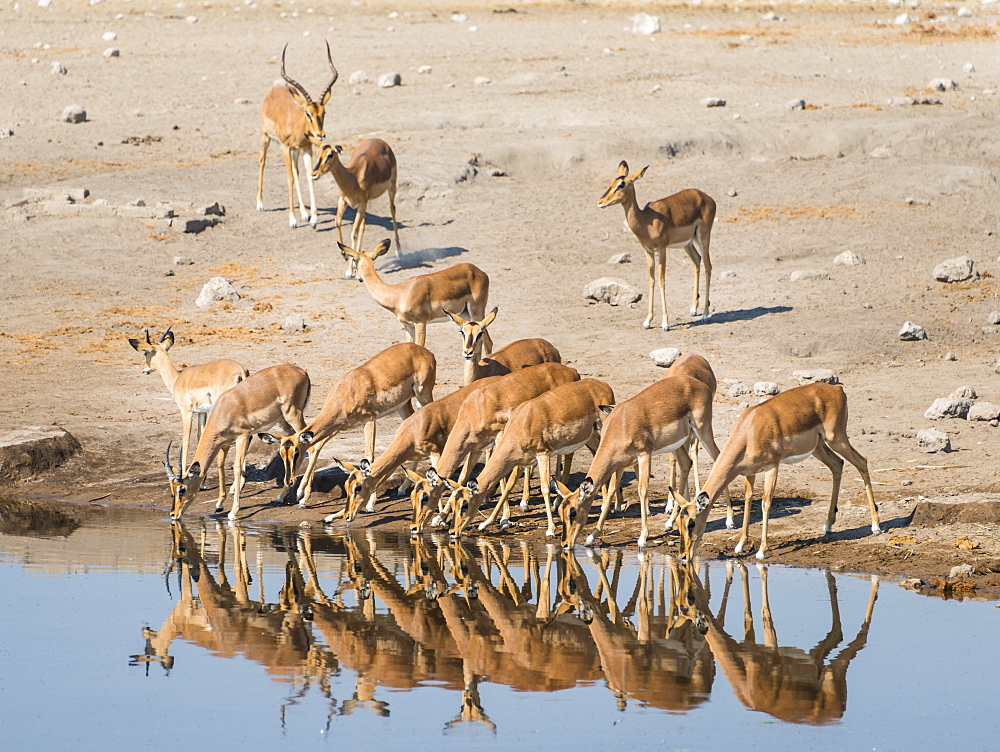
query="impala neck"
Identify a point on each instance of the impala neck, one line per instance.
(346, 180)
(382, 293)
(633, 214)
(399, 451)
(161, 362)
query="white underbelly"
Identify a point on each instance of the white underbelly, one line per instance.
(671, 447)
(569, 449)
(795, 458)
(204, 408)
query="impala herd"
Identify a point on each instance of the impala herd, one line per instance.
(519, 407)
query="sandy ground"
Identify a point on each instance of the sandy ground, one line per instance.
(506, 174)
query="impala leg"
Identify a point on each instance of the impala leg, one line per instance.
(609, 493)
(695, 446)
(567, 467)
(392, 213)
(650, 271)
(239, 471)
(265, 141)
(292, 183)
(222, 486)
(704, 239)
(360, 220)
(296, 156)
(185, 440)
(502, 509)
(843, 447)
(313, 212)
(661, 281)
(644, 466)
(420, 336)
(526, 488)
(370, 454)
(696, 263)
(770, 633)
(770, 481)
(747, 502)
(684, 466)
(544, 461)
(305, 484)
(836, 466)
(410, 330)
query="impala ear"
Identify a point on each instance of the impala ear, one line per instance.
(338, 148)
(381, 248)
(134, 343)
(192, 471)
(299, 99)
(347, 467)
(269, 438)
(622, 168)
(454, 485)
(325, 98)
(586, 489)
(489, 318)
(432, 477)
(606, 409)
(412, 475)
(473, 486)
(167, 340)
(347, 252)
(636, 175)
(557, 487)
(306, 438)
(457, 319)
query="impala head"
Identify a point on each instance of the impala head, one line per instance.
(290, 448)
(324, 160)
(363, 259)
(687, 520)
(472, 332)
(183, 487)
(357, 487)
(425, 495)
(619, 187)
(461, 499)
(313, 111)
(151, 349)
(573, 509)
(571, 588)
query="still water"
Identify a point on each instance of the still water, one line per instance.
(129, 633)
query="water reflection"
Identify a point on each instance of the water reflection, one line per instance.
(401, 613)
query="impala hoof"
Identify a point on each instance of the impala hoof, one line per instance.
(665, 326)
(760, 556)
(314, 220)
(642, 541)
(876, 530)
(482, 526)
(260, 206)
(292, 222)
(589, 540)
(694, 311)
(329, 518)
(550, 533)
(730, 523)
(647, 325)
(231, 516)
(504, 524)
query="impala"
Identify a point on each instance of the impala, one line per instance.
(385, 384)
(807, 420)
(682, 220)
(659, 419)
(421, 435)
(426, 298)
(556, 423)
(518, 354)
(290, 117)
(485, 414)
(194, 388)
(273, 396)
(370, 172)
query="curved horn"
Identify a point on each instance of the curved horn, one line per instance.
(148, 340)
(295, 84)
(166, 464)
(333, 67)
(166, 334)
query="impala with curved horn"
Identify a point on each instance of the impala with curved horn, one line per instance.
(295, 121)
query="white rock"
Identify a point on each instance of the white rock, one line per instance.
(795, 104)
(964, 12)
(643, 23)
(932, 440)
(809, 275)
(74, 114)
(424, 70)
(109, 36)
(994, 317)
(824, 375)
(611, 290)
(192, 19)
(942, 84)
(481, 81)
(947, 407)
(964, 392)
(902, 101)
(766, 388)
(665, 356)
(728, 274)
(849, 258)
(911, 332)
(713, 102)
(217, 288)
(961, 570)
(388, 80)
(738, 390)
(358, 77)
(183, 261)
(983, 411)
(44, 3)
(6, 133)
(293, 324)
(621, 258)
(969, 68)
(58, 69)
(902, 19)
(954, 270)
(459, 17)
(111, 52)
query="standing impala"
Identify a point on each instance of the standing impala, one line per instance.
(295, 121)
(807, 420)
(682, 220)
(658, 419)
(385, 384)
(194, 388)
(556, 423)
(370, 172)
(518, 354)
(273, 396)
(426, 298)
